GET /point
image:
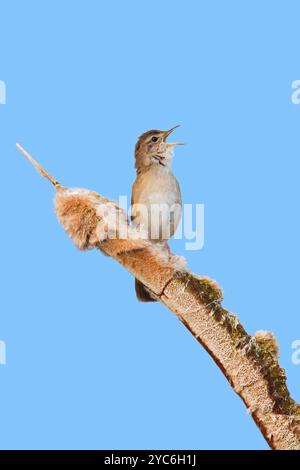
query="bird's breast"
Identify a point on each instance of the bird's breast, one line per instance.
(156, 200)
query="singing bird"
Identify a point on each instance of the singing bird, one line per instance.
(156, 197)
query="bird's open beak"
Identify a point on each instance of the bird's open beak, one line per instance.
(167, 133)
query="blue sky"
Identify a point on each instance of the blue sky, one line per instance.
(87, 365)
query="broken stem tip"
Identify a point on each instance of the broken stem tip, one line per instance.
(38, 167)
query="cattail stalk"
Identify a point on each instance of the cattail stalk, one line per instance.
(249, 362)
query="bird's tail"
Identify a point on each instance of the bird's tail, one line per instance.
(143, 295)
(38, 167)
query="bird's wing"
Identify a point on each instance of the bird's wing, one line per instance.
(133, 199)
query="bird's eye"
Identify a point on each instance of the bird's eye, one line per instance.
(154, 139)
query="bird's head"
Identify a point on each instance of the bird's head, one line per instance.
(152, 148)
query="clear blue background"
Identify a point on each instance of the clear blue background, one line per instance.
(88, 366)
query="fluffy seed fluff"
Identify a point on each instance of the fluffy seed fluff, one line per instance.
(267, 340)
(91, 220)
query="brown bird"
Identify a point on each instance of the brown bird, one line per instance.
(156, 197)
